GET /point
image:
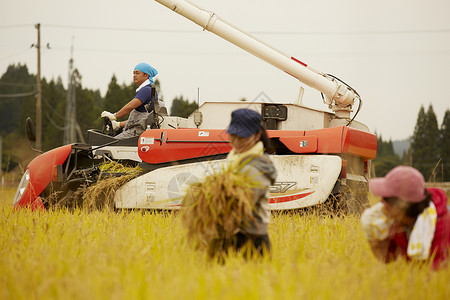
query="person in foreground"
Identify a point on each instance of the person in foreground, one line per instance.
(228, 209)
(135, 125)
(411, 221)
(249, 140)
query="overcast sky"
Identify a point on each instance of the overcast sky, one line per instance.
(395, 53)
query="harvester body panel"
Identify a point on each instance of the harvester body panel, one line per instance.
(39, 173)
(302, 181)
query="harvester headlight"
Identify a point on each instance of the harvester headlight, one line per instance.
(22, 186)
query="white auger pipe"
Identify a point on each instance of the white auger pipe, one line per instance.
(333, 90)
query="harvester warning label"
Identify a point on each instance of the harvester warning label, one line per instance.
(150, 188)
(314, 180)
(203, 133)
(147, 140)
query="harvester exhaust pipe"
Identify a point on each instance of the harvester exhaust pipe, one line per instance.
(337, 95)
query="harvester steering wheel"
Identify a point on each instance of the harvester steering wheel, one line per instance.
(107, 127)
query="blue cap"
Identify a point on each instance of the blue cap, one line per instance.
(245, 122)
(147, 69)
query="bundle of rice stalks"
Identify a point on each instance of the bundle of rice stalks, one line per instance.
(101, 194)
(217, 207)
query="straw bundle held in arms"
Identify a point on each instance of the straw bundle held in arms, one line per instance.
(101, 194)
(215, 208)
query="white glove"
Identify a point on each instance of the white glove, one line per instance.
(107, 114)
(115, 124)
(376, 223)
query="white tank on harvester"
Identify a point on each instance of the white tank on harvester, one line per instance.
(319, 155)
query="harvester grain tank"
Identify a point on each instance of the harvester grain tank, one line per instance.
(320, 155)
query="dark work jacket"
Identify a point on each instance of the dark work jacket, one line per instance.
(262, 170)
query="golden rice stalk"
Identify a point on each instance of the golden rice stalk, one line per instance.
(101, 194)
(215, 208)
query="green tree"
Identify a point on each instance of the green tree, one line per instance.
(445, 146)
(14, 110)
(182, 108)
(418, 142)
(425, 143)
(434, 144)
(118, 95)
(386, 158)
(88, 109)
(16, 81)
(21, 86)
(406, 157)
(53, 110)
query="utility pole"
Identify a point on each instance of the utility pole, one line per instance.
(69, 126)
(1, 162)
(39, 92)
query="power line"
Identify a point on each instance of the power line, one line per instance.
(15, 54)
(18, 95)
(121, 29)
(109, 50)
(53, 122)
(52, 109)
(201, 53)
(163, 30)
(375, 32)
(355, 32)
(15, 26)
(17, 84)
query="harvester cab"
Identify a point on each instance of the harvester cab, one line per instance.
(125, 150)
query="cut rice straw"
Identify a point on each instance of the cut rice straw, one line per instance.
(217, 207)
(100, 195)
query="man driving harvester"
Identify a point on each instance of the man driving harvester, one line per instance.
(135, 125)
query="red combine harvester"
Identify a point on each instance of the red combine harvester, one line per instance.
(320, 156)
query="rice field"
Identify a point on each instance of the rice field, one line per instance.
(145, 255)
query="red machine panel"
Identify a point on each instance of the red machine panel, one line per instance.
(41, 173)
(345, 140)
(359, 143)
(165, 145)
(300, 144)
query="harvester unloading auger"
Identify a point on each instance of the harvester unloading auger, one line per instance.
(320, 156)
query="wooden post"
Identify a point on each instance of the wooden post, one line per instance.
(1, 155)
(1, 161)
(39, 92)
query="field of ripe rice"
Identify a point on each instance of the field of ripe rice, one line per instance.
(144, 255)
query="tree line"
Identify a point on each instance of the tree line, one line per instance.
(429, 150)
(18, 101)
(429, 146)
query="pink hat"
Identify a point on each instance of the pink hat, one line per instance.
(403, 182)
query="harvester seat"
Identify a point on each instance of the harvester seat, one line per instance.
(158, 109)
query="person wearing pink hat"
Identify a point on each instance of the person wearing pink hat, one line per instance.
(410, 221)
